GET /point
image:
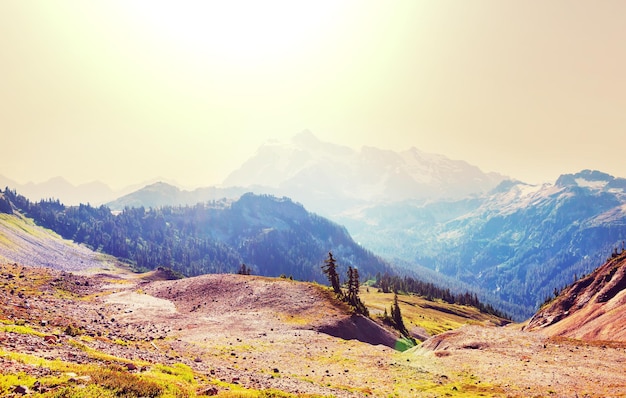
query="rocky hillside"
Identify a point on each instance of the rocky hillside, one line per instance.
(123, 334)
(592, 308)
(112, 333)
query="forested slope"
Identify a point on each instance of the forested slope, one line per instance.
(271, 236)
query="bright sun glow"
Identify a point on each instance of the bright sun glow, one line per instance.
(238, 30)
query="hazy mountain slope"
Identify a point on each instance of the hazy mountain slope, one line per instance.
(163, 194)
(330, 179)
(95, 192)
(58, 188)
(519, 242)
(592, 308)
(23, 242)
(272, 236)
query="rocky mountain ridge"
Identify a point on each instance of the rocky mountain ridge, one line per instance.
(592, 308)
(330, 179)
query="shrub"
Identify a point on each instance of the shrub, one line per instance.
(126, 384)
(73, 330)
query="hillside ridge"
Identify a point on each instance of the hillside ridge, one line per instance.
(591, 308)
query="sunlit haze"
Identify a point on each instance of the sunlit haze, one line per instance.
(126, 91)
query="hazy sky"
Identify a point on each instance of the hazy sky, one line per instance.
(125, 91)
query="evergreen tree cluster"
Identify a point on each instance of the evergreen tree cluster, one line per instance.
(351, 295)
(393, 283)
(5, 205)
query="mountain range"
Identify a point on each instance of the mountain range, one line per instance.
(431, 215)
(330, 178)
(518, 242)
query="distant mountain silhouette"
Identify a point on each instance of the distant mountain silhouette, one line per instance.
(162, 194)
(330, 178)
(94, 192)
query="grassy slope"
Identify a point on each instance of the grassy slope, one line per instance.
(433, 317)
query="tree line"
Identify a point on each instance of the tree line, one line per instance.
(351, 295)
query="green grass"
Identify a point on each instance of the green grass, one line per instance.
(176, 381)
(20, 329)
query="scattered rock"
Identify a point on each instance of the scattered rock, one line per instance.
(131, 366)
(22, 390)
(208, 391)
(50, 339)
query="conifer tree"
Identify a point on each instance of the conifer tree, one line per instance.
(396, 316)
(352, 291)
(330, 269)
(352, 297)
(244, 270)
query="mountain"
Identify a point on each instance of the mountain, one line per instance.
(518, 242)
(161, 194)
(94, 192)
(592, 308)
(272, 236)
(330, 178)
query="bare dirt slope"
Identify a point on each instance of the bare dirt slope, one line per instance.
(523, 364)
(593, 308)
(253, 305)
(233, 331)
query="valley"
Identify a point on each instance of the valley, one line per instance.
(422, 214)
(103, 330)
(338, 199)
(145, 300)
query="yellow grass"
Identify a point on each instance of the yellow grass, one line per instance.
(433, 316)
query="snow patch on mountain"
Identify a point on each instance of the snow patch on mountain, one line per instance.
(331, 178)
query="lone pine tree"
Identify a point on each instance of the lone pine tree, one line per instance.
(396, 316)
(330, 269)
